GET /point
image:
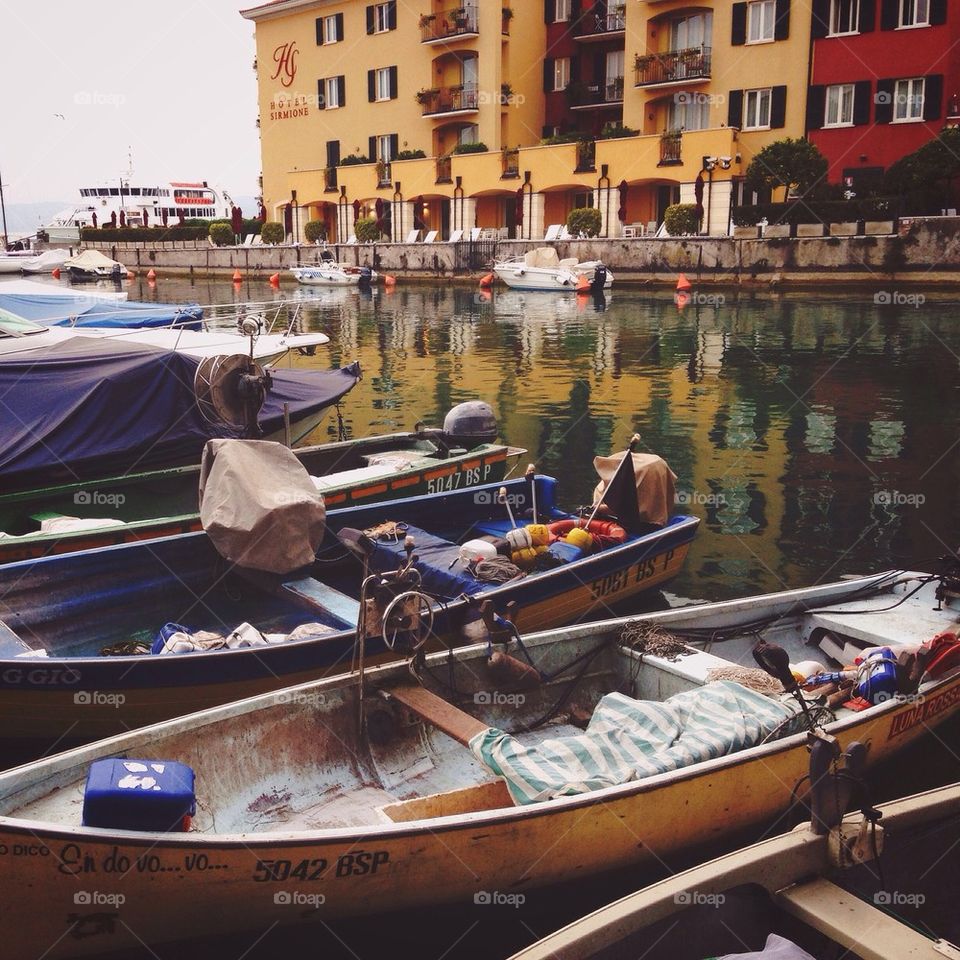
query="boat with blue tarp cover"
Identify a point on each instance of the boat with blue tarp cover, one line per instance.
(78, 311)
(188, 621)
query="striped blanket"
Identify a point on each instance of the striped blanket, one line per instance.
(630, 739)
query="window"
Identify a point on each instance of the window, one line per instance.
(563, 10)
(332, 98)
(691, 31)
(844, 17)
(383, 91)
(839, 112)
(761, 16)
(381, 17)
(331, 32)
(756, 109)
(384, 148)
(914, 13)
(561, 73)
(689, 110)
(908, 99)
(469, 134)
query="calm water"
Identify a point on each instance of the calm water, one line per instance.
(814, 436)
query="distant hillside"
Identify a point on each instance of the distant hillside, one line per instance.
(26, 217)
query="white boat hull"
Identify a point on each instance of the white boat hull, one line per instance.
(517, 276)
(335, 275)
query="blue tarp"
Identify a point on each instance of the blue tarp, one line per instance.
(56, 311)
(85, 408)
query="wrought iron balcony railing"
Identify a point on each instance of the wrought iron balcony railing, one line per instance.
(674, 66)
(593, 94)
(444, 170)
(586, 156)
(510, 160)
(456, 22)
(330, 179)
(450, 100)
(595, 24)
(670, 146)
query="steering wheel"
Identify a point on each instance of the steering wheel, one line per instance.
(424, 617)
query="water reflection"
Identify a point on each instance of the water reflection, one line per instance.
(815, 437)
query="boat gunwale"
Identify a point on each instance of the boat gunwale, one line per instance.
(73, 759)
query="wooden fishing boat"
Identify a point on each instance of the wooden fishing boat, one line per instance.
(162, 503)
(365, 792)
(860, 890)
(59, 615)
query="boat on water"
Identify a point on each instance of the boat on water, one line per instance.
(881, 884)
(103, 511)
(93, 265)
(141, 205)
(87, 406)
(542, 269)
(49, 287)
(329, 273)
(51, 310)
(497, 767)
(303, 583)
(32, 261)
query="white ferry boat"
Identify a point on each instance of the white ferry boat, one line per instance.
(140, 206)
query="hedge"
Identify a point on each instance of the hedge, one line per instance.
(145, 234)
(584, 221)
(819, 211)
(681, 219)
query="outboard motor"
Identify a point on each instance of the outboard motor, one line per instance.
(326, 256)
(366, 274)
(599, 279)
(471, 424)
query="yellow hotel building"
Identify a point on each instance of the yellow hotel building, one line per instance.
(438, 117)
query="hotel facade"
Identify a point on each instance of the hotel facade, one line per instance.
(507, 114)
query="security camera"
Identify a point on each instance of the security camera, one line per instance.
(725, 163)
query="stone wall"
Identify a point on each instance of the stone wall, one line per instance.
(925, 251)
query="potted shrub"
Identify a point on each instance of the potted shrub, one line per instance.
(584, 222)
(681, 219)
(272, 233)
(426, 96)
(366, 230)
(470, 148)
(221, 233)
(315, 231)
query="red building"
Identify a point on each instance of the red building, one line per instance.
(583, 70)
(884, 77)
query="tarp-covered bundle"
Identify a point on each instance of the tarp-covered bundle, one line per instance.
(90, 261)
(644, 495)
(89, 407)
(259, 506)
(60, 311)
(630, 739)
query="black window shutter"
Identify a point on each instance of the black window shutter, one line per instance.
(932, 95)
(370, 19)
(889, 14)
(781, 26)
(938, 12)
(820, 24)
(393, 83)
(548, 74)
(861, 102)
(321, 94)
(816, 104)
(738, 33)
(342, 84)
(319, 31)
(549, 11)
(372, 155)
(778, 107)
(735, 109)
(333, 153)
(392, 15)
(574, 11)
(575, 69)
(868, 16)
(339, 26)
(600, 68)
(394, 145)
(371, 86)
(883, 112)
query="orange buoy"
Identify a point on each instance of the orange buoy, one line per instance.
(583, 285)
(389, 280)
(55, 273)
(275, 280)
(486, 281)
(683, 283)
(151, 274)
(131, 275)
(237, 276)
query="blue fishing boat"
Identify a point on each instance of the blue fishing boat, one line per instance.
(77, 311)
(100, 641)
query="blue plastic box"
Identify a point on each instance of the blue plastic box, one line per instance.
(130, 794)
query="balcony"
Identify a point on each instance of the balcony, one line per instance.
(444, 167)
(674, 66)
(583, 96)
(447, 100)
(670, 143)
(330, 184)
(450, 24)
(510, 164)
(384, 174)
(586, 156)
(594, 27)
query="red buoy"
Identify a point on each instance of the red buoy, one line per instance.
(389, 280)
(55, 273)
(237, 276)
(151, 274)
(683, 283)
(486, 281)
(275, 280)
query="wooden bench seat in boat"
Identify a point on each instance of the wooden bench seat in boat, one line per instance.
(489, 795)
(442, 714)
(312, 594)
(888, 629)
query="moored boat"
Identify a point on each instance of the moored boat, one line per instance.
(542, 269)
(373, 790)
(93, 265)
(329, 273)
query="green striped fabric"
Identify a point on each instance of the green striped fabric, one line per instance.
(630, 739)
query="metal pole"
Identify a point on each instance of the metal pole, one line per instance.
(3, 214)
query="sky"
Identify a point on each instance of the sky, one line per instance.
(89, 81)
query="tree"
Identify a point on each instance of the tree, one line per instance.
(221, 233)
(795, 164)
(272, 233)
(315, 230)
(584, 222)
(927, 174)
(681, 219)
(366, 230)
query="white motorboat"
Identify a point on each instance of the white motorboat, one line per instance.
(329, 273)
(542, 269)
(59, 288)
(12, 261)
(45, 261)
(93, 265)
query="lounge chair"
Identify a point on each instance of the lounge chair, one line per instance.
(430, 237)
